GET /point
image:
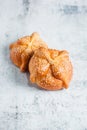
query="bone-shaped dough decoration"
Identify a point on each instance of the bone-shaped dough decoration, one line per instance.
(50, 69)
(23, 49)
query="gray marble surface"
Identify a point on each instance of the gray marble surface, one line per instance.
(63, 25)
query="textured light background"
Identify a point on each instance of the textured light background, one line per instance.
(63, 25)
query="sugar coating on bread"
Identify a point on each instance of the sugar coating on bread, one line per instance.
(23, 49)
(50, 69)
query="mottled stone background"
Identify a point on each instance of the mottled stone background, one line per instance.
(63, 25)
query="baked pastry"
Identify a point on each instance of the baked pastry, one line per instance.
(50, 69)
(23, 49)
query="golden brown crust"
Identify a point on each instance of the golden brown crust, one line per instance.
(23, 48)
(50, 69)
